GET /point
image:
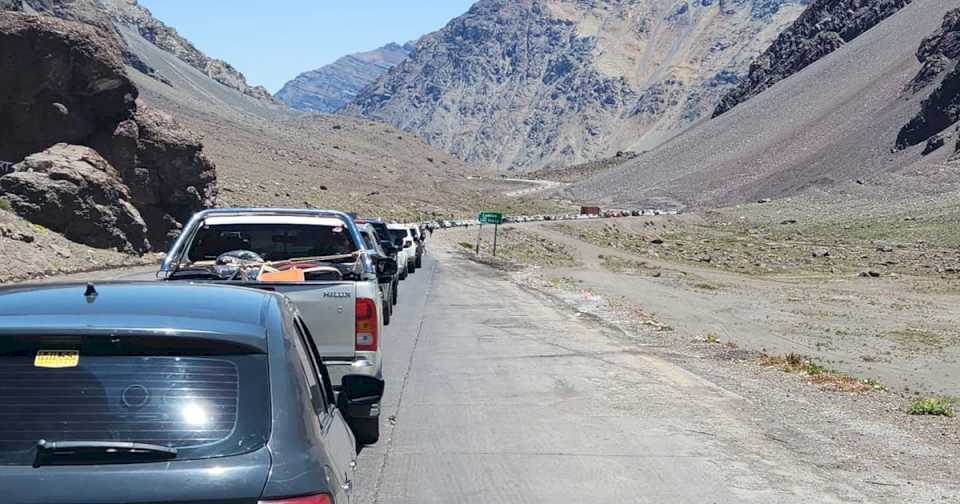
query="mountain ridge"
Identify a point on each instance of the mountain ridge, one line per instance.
(830, 129)
(534, 83)
(330, 87)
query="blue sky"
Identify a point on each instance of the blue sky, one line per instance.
(273, 41)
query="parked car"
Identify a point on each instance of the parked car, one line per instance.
(317, 258)
(170, 392)
(403, 237)
(390, 248)
(387, 282)
(420, 241)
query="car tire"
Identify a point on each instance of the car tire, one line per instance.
(396, 294)
(367, 430)
(387, 311)
(419, 261)
(411, 267)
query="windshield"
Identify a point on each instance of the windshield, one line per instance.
(273, 242)
(205, 401)
(398, 234)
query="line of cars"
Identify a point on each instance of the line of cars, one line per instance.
(251, 372)
(514, 219)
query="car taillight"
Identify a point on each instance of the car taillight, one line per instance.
(309, 499)
(367, 325)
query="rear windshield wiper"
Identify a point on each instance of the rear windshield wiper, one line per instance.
(99, 452)
(192, 273)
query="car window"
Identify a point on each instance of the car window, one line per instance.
(204, 400)
(315, 354)
(398, 234)
(273, 242)
(366, 240)
(311, 371)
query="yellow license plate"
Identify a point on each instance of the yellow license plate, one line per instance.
(56, 359)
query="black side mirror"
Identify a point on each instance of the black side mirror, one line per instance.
(386, 267)
(358, 395)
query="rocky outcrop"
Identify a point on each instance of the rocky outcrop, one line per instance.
(169, 176)
(72, 190)
(938, 52)
(941, 109)
(823, 27)
(77, 88)
(105, 14)
(64, 82)
(526, 84)
(330, 87)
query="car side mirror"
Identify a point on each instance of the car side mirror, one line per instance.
(386, 267)
(358, 395)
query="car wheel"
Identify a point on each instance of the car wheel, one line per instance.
(367, 430)
(387, 312)
(411, 268)
(419, 261)
(396, 294)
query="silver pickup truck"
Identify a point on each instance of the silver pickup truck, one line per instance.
(316, 258)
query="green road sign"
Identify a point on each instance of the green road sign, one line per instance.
(490, 218)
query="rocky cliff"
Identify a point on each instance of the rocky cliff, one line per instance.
(330, 87)
(64, 92)
(524, 84)
(939, 54)
(106, 14)
(823, 27)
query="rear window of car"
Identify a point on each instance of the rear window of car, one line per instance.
(272, 242)
(201, 398)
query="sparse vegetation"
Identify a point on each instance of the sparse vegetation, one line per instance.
(467, 245)
(938, 406)
(526, 248)
(818, 374)
(617, 264)
(5, 205)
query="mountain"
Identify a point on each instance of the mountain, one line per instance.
(525, 84)
(820, 30)
(830, 129)
(330, 87)
(129, 14)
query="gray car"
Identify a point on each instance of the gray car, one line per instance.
(174, 393)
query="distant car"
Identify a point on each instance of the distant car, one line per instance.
(401, 234)
(419, 239)
(390, 248)
(169, 392)
(387, 282)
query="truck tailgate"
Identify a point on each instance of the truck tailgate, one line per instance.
(329, 310)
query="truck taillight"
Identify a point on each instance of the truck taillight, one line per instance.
(309, 499)
(367, 325)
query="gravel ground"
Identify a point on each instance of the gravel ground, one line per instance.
(865, 439)
(31, 252)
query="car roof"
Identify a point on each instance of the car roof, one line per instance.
(215, 220)
(225, 313)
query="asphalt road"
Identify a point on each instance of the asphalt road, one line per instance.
(494, 395)
(497, 395)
